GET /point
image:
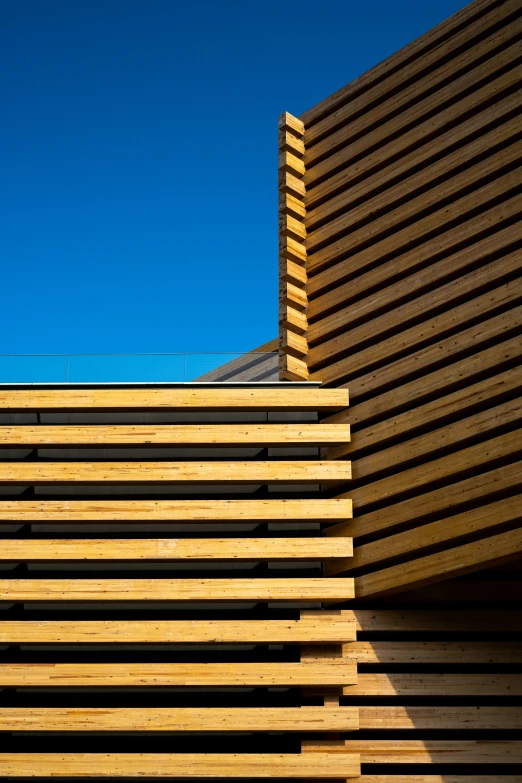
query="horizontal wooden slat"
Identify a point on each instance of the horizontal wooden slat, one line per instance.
(438, 469)
(178, 765)
(174, 399)
(405, 514)
(20, 550)
(201, 510)
(394, 751)
(176, 589)
(253, 472)
(461, 684)
(443, 533)
(436, 621)
(436, 718)
(178, 719)
(421, 653)
(325, 628)
(452, 562)
(166, 434)
(332, 672)
(445, 778)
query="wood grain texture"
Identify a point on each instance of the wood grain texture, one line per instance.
(253, 472)
(325, 628)
(437, 718)
(288, 719)
(150, 549)
(446, 621)
(201, 510)
(176, 589)
(395, 751)
(175, 765)
(333, 672)
(412, 684)
(173, 434)
(415, 653)
(173, 399)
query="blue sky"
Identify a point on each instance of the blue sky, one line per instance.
(138, 187)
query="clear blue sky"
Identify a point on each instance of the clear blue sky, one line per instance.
(138, 185)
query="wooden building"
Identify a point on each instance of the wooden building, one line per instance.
(316, 576)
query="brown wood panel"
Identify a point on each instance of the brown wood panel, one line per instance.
(460, 560)
(171, 434)
(324, 628)
(201, 510)
(288, 719)
(421, 337)
(176, 765)
(313, 589)
(387, 209)
(443, 468)
(174, 399)
(434, 414)
(423, 751)
(332, 672)
(461, 684)
(445, 778)
(445, 621)
(351, 311)
(481, 521)
(253, 472)
(436, 718)
(433, 652)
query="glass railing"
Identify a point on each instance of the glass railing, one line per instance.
(138, 368)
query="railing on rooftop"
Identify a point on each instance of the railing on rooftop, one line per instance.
(138, 368)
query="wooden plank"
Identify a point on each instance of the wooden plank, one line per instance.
(450, 685)
(398, 113)
(438, 469)
(258, 510)
(431, 311)
(294, 345)
(352, 304)
(174, 399)
(178, 765)
(452, 562)
(435, 621)
(331, 672)
(447, 36)
(440, 717)
(253, 472)
(292, 368)
(324, 628)
(288, 719)
(446, 778)
(172, 434)
(436, 412)
(443, 533)
(150, 549)
(393, 751)
(406, 514)
(176, 589)
(417, 653)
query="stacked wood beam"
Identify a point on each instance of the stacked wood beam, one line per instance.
(155, 574)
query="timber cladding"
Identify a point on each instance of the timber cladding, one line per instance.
(161, 580)
(413, 206)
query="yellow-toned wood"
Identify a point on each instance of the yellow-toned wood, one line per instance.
(292, 319)
(291, 272)
(436, 718)
(174, 399)
(291, 368)
(457, 561)
(20, 550)
(291, 163)
(252, 472)
(259, 510)
(326, 628)
(446, 778)
(290, 719)
(290, 184)
(181, 765)
(290, 248)
(445, 532)
(295, 297)
(434, 620)
(287, 122)
(289, 142)
(294, 344)
(330, 672)
(394, 751)
(447, 652)
(408, 684)
(176, 589)
(167, 434)
(292, 227)
(291, 205)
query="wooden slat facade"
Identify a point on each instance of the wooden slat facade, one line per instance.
(413, 294)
